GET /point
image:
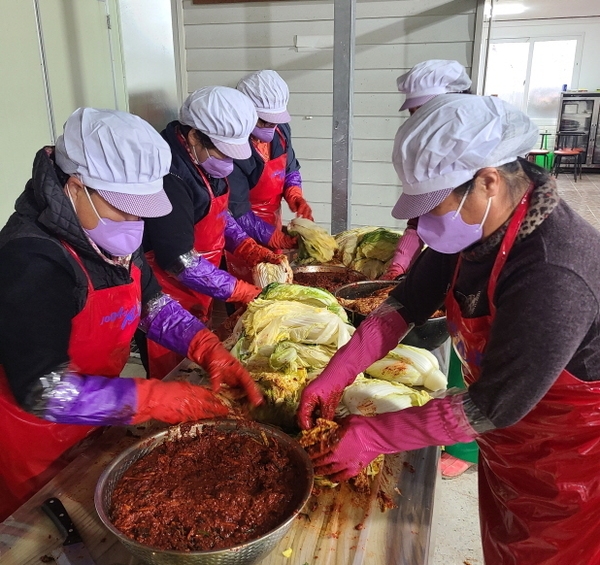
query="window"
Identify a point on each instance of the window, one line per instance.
(531, 73)
(507, 71)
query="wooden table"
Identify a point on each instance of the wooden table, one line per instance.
(340, 527)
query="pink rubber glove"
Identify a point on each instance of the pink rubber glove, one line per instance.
(408, 249)
(374, 339)
(442, 421)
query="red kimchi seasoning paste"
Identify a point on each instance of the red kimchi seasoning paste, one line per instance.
(213, 491)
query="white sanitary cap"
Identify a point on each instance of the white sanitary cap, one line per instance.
(225, 115)
(448, 140)
(120, 155)
(428, 79)
(270, 95)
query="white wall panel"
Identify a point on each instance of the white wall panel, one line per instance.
(380, 128)
(375, 31)
(374, 216)
(397, 56)
(366, 172)
(315, 10)
(313, 127)
(243, 34)
(226, 41)
(368, 32)
(316, 169)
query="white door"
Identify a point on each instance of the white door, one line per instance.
(55, 56)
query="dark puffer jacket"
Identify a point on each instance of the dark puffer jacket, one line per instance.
(42, 287)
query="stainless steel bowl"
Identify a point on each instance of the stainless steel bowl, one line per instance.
(430, 335)
(244, 554)
(329, 269)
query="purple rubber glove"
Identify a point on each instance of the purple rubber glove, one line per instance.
(255, 227)
(408, 249)
(234, 234)
(102, 401)
(373, 340)
(441, 421)
(167, 323)
(202, 276)
(69, 398)
(293, 178)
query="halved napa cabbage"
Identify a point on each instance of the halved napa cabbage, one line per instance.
(369, 397)
(409, 365)
(315, 243)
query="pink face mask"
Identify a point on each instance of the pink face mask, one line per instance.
(118, 238)
(217, 168)
(449, 233)
(264, 134)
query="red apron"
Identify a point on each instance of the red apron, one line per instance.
(209, 242)
(539, 492)
(265, 202)
(266, 195)
(31, 448)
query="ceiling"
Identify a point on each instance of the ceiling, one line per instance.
(536, 9)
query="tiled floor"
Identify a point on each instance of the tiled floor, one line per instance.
(583, 196)
(457, 533)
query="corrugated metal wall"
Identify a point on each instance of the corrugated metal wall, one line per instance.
(225, 41)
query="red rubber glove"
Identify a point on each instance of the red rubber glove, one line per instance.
(244, 292)
(293, 196)
(280, 240)
(253, 254)
(442, 421)
(206, 350)
(175, 402)
(373, 340)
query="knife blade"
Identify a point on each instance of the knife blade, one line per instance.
(72, 552)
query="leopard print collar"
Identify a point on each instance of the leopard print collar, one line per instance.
(544, 199)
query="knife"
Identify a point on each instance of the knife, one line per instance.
(72, 552)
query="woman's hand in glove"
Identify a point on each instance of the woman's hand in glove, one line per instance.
(375, 337)
(392, 273)
(174, 402)
(352, 452)
(252, 253)
(280, 240)
(442, 421)
(408, 249)
(244, 292)
(293, 196)
(206, 350)
(322, 396)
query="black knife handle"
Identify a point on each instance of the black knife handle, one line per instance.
(55, 509)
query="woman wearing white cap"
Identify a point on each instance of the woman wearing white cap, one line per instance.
(421, 84)
(185, 247)
(429, 79)
(519, 272)
(272, 172)
(74, 286)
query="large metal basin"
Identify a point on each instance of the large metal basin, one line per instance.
(244, 554)
(332, 271)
